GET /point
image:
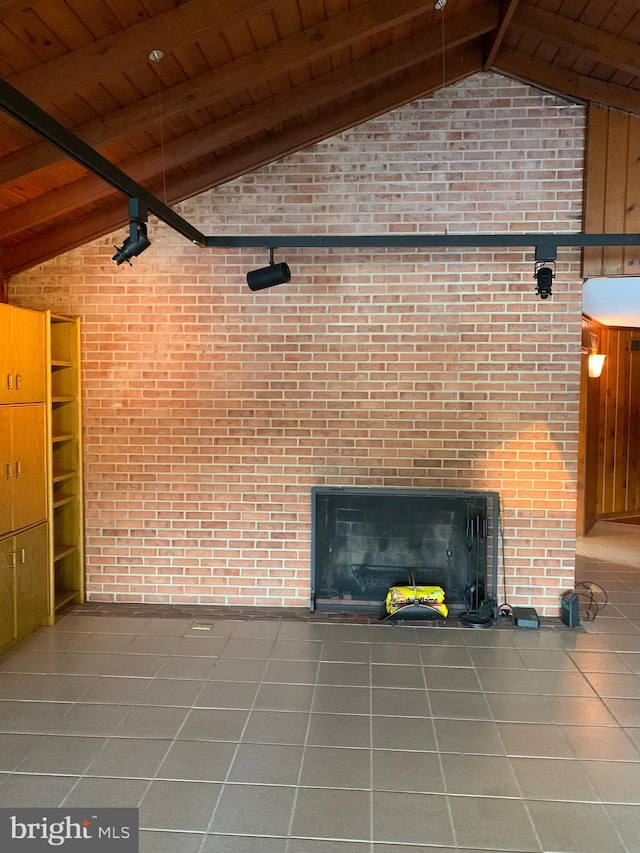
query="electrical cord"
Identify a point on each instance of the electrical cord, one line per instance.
(588, 603)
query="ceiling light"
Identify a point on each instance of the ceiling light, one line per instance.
(137, 241)
(268, 276)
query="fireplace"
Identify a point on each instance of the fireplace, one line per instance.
(365, 540)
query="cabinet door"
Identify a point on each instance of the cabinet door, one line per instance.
(6, 471)
(7, 592)
(6, 358)
(29, 464)
(31, 577)
(28, 338)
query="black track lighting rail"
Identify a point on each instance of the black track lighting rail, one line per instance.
(23, 110)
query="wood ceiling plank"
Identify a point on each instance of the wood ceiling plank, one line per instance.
(599, 45)
(113, 53)
(419, 83)
(565, 83)
(508, 11)
(233, 78)
(251, 122)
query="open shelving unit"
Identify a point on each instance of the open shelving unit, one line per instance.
(66, 511)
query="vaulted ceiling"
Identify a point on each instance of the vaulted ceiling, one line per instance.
(241, 83)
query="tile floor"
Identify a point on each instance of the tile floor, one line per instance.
(292, 736)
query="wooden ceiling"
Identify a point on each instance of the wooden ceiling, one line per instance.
(244, 82)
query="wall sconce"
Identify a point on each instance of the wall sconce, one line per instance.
(268, 276)
(596, 363)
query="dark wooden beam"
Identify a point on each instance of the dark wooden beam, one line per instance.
(507, 11)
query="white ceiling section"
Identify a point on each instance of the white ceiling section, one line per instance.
(613, 301)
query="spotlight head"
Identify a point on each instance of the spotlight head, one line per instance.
(134, 244)
(268, 276)
(544, 276)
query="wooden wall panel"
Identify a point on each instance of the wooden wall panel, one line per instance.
(612, 189)
(619, 424)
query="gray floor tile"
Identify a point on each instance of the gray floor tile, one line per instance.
(276, 727)
(615, 781)
(166, 627)
(350, 730)
(386, 675)
(392, 653)
(313, 845)
(600, 742)
(575, 827)
(20, 685)
(199, 646)
(254, 810)
(284, 697)
(113, 689)
(37, 791)
(251, 629)
(301, 631)
(547, 659)
(346, 674)
(14, 748)
(406, 770)
(411, 818)
(250, 649)
(494, 823)
(479, 737)
(588, 661)
(197, 761)
(328, 767)
(227, 694)
(553, 779)
(329, 813)
(401, 703)
(626, 820)
(106, 793)
(291, 671)
(301, 650)
(170, 842)
(237, 670)
(191, 668)
(62, 756)
(129, 757)
(239, 844)
(178, 805)
(32, 717)
(483, 775)
(346, 652)
(447, 656)
(535, 740)
(213, 724)
(456, 704)
(451, 678)
(344, 700)
(616, 685)
(625, 711)
(266, 764)
(151, 721)
(178, 692)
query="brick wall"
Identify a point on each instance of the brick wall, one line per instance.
(210, 411)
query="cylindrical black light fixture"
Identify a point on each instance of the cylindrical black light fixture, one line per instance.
(268, 276)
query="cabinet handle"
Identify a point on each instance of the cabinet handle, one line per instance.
(12, 559)
(18, 468)
(18, 381)
(7, 470)
(22, 556)
(9, 382)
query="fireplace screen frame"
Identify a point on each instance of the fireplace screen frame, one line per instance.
(491, 533)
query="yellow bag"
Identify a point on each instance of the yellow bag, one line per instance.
(429, 596)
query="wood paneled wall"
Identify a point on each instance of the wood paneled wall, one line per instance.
(612, 189)
(618, 484)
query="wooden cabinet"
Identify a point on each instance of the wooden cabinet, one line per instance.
(66, 545)
(23, 493)
(22, 355)
(41, 518)
(24, 588)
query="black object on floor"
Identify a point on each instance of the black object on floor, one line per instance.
(525, 617)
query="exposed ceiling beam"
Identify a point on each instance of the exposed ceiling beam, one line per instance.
(566, 84)
(588, 41)
(418, 83)
(363, 74)
(507, 11)
(230, 79)
(94, 62)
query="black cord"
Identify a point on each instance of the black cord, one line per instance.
(589, 606)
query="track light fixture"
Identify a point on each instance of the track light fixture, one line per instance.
(544, 275)
(268, 276)
(137, 241)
